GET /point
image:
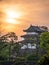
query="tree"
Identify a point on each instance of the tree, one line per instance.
(32, 57)
(44, 41)
(44, 45)
(9, 38)
(44, 60)
(7, 44)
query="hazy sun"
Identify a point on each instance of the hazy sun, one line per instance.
(12, 16)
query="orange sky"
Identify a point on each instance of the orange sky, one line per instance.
(35, 12)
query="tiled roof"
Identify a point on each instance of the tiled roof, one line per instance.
(33, 29)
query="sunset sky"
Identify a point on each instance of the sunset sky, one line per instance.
(16, 15)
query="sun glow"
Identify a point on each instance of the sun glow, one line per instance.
(12, 16)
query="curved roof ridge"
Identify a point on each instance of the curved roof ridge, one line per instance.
(33, 29)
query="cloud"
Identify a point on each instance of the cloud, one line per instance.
(37, 11)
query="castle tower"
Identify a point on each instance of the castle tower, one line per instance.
(31, 34)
